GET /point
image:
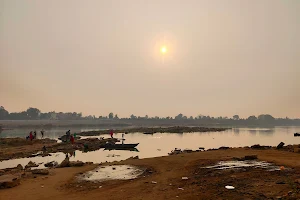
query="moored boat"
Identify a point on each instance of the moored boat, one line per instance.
(119, 146)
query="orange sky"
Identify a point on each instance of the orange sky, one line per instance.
(223, 57)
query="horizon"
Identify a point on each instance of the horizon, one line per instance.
(150, 116)
(157, 58)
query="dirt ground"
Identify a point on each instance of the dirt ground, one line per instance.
(168, 172)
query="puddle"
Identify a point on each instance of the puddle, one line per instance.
(244, 164)
(116, 172)
(58, 157)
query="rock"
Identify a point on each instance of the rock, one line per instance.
(280, 182)
(297, 150)
(76, 164)
(257, 146)
(114, 168)
(40, 171)
(280, 145)
(64, 163)
(184, 178)
(153, 182)
(297, 181)
(9, 181)
(250, 157)
(223, 148)
(136, 157)
(31, 164)
(51, 164)
(19, 166)
(2, 172)
(187, 151)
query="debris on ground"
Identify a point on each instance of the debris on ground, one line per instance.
(229, 187)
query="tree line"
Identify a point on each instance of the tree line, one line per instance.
(36, 114)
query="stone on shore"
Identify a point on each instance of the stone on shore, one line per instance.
(64, 163)
(9, 181)
(19, 167)
(40, 171)
(76, 164)
(51, 164)
(31, 164)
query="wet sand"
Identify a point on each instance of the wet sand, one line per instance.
(11, 148)
(201, 184)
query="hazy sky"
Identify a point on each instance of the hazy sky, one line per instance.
(223, 57)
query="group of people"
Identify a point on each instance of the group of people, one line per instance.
(70, 136)
(32, 135)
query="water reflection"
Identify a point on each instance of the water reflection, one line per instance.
(160, 144)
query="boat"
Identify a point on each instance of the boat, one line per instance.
(148, 133)
(119, 146)
(296, 134)
(124, 149)
(66, 138)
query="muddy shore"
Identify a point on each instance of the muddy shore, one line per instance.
(164, 181)
(173, 129)
(11, 148)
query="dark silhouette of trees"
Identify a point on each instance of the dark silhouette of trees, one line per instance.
(180, 119)
(4, 114)
(111, 115)
(33, 113)
(252, 118)
(236, 117)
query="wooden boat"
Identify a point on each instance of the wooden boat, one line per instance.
(119, 146)
(148, 133)
(296, 134)
(66, 138)
(124, 149)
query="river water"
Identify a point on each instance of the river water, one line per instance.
(160, 144)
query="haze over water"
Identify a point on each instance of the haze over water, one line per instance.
(221, 57)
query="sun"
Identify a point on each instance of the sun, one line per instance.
(163, 49)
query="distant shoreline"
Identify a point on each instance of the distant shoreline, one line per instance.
(111, 123)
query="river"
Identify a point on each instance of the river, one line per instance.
(160, 144)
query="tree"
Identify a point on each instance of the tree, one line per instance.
(191, 118)
(266, 117)
(179, 116)
(4, 114)
(133, 116)
(33, 113)
(116, 116)
(252, 118)
(111, 115)
(236, 117)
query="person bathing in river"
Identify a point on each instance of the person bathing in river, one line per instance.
(34, 134)
(42, 133)
(111, 133)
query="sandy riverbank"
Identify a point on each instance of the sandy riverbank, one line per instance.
(11, 148)
(249, 183)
